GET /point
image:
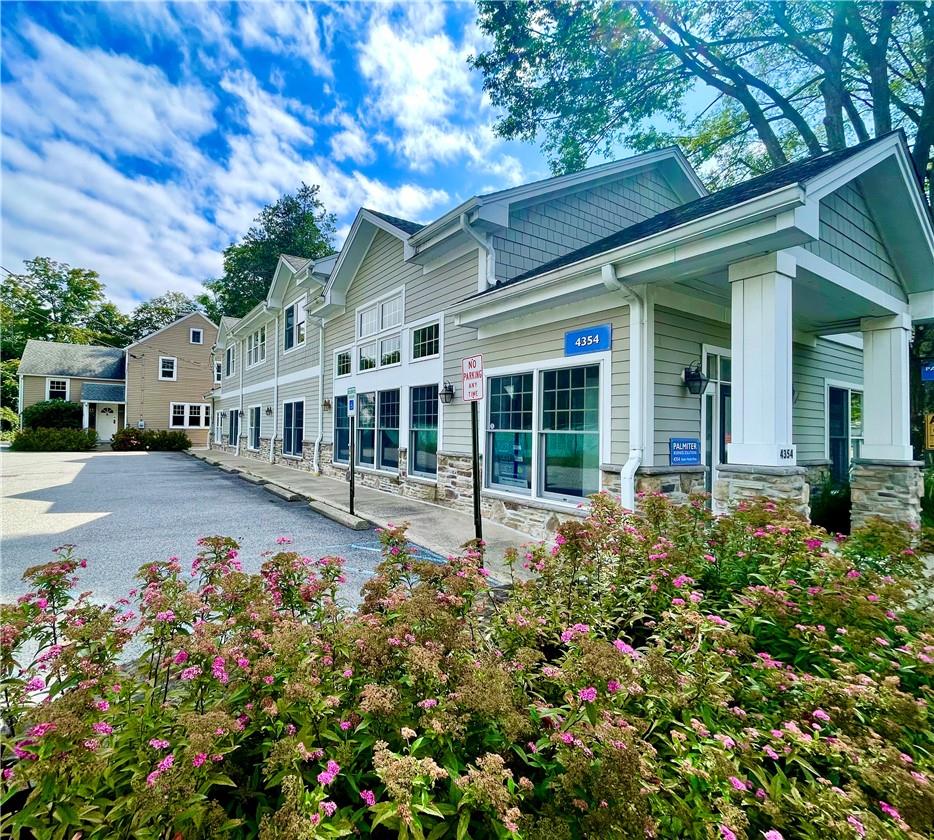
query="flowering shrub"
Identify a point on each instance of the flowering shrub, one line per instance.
(670, 675)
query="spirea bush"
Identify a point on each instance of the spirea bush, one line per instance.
(130, 439)
(665, 676)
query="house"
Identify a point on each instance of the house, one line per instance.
(158, 382)
(638, 334)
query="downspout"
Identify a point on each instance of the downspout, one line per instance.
(315, 466)
(19, 399)
(275, 395)
(487, 249)
(240, 365)
(627, 477)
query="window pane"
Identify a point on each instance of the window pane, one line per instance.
(510, 456)
(178, 414)
(58, 389)
(369, 321)
(424, 407)
(289, 327)
(425, 341)
(856, 414)
(167, 368)
(343, 364)
(511, 402)
(571, 399)
(367, 357)
(571, 464)
(423, 446)
(391, 313)
(423, 452)
(388, 422)
(390, 352)
(341, 430)
(194, 415)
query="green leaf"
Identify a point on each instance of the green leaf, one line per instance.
(463, 823)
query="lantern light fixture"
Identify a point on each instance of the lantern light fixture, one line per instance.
(694, 379)
(447, 393)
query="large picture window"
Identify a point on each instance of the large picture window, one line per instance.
(423, 430)
(388, 429)
(366, 429)
(510, 432)
(570, 431)
(341, 431)
(293, 428)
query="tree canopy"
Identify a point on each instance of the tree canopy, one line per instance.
(786, 80)
(295, 224)
(160, 312)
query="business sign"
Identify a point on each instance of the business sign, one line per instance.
(351, 402)
(684, 452)
(472, 378)
(929, 431)
(588, 340)
(927, 370)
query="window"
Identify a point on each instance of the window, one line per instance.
(233, 430)
(56, 389)
(230, 360)
(388, 429)
(167, 368)
(844, 430)
(369, 322)
(366, 429)
(294, 325)
(293, 428)
(390, 351)
(189, 416)
(425, 341)
(196, 336)
(509, 439)
(367, 358)
(218, 372)
(423, 434)
(218, 429)
(570, 431)
(343, 364)
(256, 347)
(390, 313)
(341, 431)
(253, 427)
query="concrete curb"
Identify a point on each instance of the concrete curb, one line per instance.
(283, 493)
(231, 470)
(253, 479)
(339, 516)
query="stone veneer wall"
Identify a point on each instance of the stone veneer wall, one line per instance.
(738, 483)
(412, 487)
(890, 489)
(678, 483)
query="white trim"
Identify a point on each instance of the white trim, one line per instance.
(257, 345)
(296, 343)
(825, 269)
(191, 335)
(292, 455)
(308, 373)
(249, 426)
(846, 339)
(715, 456)
(201, 425)
(146, 338)
(49, 380)
(410, 330)
(377, 302)
(349, 350)
(174, 376)
(844, 385)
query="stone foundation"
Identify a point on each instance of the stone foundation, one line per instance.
(816, 472)
(261, 454)
(738, 483)
(677, 483)
(890, 489)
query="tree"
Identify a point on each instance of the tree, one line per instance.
(9, 384)
(51, 301)
(786, 79)
(160, 312)
(110, 326)
(295, 224)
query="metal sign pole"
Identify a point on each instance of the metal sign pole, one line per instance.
(352, 459)
(475, 434)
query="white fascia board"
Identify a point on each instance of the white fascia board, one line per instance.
(845, 280)
(280, 280)
(352, 252)
(921, 306)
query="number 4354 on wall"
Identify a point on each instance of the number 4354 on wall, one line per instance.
(596, 339)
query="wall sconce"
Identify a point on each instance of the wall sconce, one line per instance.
(223, 414)
(447, 393)
(269, 411)
(326, 405)
(695, 379)
(240, 413)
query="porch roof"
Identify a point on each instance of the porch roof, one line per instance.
(103, 392)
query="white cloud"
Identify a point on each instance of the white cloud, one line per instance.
(290, 29)
(351, 142)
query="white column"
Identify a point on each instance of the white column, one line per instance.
(85, 415)
(886, 435)
(761, 346)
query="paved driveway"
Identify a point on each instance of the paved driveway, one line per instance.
(123, 509)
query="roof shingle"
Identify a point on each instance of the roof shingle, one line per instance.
(54, 358)
(403, 224)
(103, 392)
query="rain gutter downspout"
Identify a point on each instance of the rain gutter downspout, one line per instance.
(275, 395)
(240, 365)
(627, 477)
(315, 466)
(487, 249)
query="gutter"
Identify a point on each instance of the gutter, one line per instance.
(315, 466)
(275, 395)
(487, 249)
(627, 476)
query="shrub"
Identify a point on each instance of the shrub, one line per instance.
(9, 419)
(130, 439)
(53, 414)
(53, 440)
(672, 676)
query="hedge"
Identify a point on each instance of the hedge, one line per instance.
(54, 440)
(53, 414)
(130, 439)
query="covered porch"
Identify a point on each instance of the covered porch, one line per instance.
(103, 409)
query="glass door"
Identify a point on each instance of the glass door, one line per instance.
(716, 412)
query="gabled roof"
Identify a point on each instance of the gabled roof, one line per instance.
(103, 392)
(799, 172)
(88, 361)
(146, 338)
(403, 224)
(297, 263)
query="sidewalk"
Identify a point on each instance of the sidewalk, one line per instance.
(439, 529)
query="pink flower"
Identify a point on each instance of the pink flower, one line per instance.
(91, 744)
(345, 725)
(368, 797)
(191, 673)
(612, 686)
(102, 705)
(159, 743)
(677, 602)
(858, 827)
(328, 807)
(165, 615)
(727, 833)
(738, 784)
(102, 728)
(269, 679)
(283, 540)
(773, 834)
(181, 657)
(820, 714)
(588, 695)
(166, 763)
(151, 778)
(35, 684)
(629, 650)
(428, 703)
(243, 662)
(7, 774)
(199, 759)
(41, 729)
(888, 810)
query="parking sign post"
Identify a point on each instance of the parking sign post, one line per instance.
(472, 381)
(352, 414)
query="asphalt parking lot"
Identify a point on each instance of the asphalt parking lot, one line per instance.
(123, 509)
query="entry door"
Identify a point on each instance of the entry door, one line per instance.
(106, 420)
(716, 410)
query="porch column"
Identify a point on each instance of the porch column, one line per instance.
(885, 480)
(85, 415)
(761, 453)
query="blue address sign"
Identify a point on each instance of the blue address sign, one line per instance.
(588, 340)
(684, 452)
(927, 370)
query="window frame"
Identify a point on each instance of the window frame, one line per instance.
(344, 351)
(340, 398)
(379, 355)
(491, 431)
(360, 348)
(233, 424)
(256, 348)
(414, 329)
(412, 431)
(850, 387)
(301, 441)
(298, 328)
(250, 428)
(218, 372)
(204, 415)
(191, 335)
(230, 361)
(174, 376)
(48, 389)
(360, 429)
(380, 429)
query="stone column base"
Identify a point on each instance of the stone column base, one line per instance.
(677, 483)
(890, 489)
(738, 483)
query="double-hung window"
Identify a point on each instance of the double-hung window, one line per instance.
(368, 322)
(189, 416)
(844, 429)
(293, 428)
(390, 313)
(56, 389)
(294, 325)
(390, 351)
(423, 430)
(343, 363)
(256, 347)
(341, 431)
(367, 358)
(177, 418)
(366, 429)
(388, 429)
(254, 427)
(570, 432)
(374, 349)
(509, 439)
(167, 368)
(233, 428)
(218, 372)
(426, 341)
(230, 360)
(195, 413)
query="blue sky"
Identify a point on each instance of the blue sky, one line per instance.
(139, 139)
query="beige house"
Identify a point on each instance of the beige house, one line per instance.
(159, 382)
